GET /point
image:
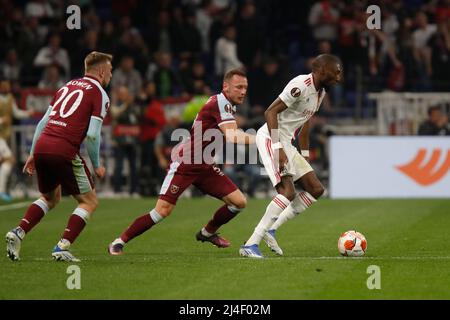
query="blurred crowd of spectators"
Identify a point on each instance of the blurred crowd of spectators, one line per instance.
(185, 46)
(182, 48)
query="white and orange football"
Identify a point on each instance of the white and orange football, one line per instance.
(352, 244)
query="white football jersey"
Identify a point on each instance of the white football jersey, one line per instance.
(302, 101)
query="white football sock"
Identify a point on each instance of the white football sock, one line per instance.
(5, 170)
(64, 244)
(301, 202)
(206, 233)
(275, 207)
(118, 240)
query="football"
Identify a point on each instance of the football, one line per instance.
(352, 244)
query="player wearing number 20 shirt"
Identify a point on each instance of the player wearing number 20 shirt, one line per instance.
(73, 106)
(75, 115)
(72, 109)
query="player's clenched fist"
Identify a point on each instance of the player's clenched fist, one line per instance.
(100, 172)
(29, 166)
(282, 159)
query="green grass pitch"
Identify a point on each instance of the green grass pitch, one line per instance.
(407, 239)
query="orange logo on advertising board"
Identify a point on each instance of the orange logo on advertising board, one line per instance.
(428, 173)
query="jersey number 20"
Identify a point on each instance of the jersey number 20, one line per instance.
(64, 99)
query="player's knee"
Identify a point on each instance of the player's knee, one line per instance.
(94, 204)
(240, 202)
(164, 208)
(91, 204)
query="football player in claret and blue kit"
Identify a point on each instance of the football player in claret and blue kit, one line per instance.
(190, 166)
(75, 114)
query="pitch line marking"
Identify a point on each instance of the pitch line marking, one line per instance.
(18, 205)
(146, 259)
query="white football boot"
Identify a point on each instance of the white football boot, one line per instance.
(271, 241)
(13, 243)
(115, 248)
(61, 252)
(251, 251)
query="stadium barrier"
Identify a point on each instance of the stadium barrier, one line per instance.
(389, 167)
(38, 100)
(402, 113)
(21, 141)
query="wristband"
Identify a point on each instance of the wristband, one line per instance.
(305, 153)
(277, 145)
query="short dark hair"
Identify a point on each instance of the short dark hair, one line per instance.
(233, 72)
(324, 60)
(94, 58)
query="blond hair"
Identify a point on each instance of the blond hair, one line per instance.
(95, 58)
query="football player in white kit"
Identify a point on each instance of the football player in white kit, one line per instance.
(298, 102)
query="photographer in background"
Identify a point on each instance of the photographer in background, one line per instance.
(436, 124)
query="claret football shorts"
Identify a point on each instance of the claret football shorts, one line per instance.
(72, 174)
(207, 178)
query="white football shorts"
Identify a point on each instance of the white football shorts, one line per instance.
(296, 167)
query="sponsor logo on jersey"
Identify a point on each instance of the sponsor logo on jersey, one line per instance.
(58, 123)
(427, 173)
(295, 92)
(308, 113)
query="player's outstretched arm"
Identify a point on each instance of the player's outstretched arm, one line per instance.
(93, 138)
(235, 135)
